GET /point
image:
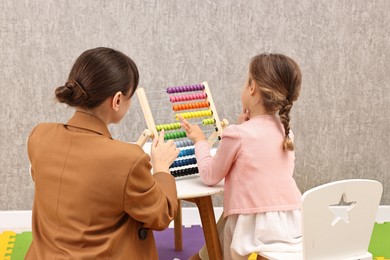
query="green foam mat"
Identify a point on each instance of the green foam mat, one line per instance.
(22, 243)
(380, 240)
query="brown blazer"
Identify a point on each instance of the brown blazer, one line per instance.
(95, 197)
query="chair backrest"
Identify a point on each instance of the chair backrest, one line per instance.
(338, 218)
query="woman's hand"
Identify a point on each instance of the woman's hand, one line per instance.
(193, 131)
(163, 154)
(244, 116)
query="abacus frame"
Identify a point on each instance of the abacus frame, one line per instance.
(151, 130)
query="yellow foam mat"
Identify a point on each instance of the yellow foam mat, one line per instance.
(7, 242)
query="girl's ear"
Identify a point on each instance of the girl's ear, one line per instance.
(252, 88)
(116, 101)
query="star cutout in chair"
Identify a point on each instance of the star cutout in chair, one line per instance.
(341, 210)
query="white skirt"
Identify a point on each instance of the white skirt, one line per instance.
(241, 235)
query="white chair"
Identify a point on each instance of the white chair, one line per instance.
(337, 221)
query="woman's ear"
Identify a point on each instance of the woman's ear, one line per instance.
(116, 101)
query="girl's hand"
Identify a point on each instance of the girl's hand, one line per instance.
(193, 131)
(163, 154)
(244, 116)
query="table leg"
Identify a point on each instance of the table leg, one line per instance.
(177, 224)
(206, 212)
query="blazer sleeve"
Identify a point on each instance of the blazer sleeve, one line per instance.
(29, 151)
(150, 199)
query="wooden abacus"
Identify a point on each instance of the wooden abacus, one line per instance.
(202, 107)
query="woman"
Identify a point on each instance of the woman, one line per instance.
(95, 197)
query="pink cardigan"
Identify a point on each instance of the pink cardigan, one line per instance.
(258, 172)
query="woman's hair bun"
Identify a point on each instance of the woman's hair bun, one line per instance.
(72, 94)
(96, 75)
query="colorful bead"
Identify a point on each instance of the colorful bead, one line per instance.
(208, 121)
(185, 172)
(187, 97)
(179, 89)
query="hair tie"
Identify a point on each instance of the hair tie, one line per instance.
(72, 84)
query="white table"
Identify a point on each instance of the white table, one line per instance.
(190, 188)
(193, 190)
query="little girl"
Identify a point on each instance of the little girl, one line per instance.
(256, 158)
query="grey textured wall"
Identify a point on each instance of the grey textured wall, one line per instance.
(340, 121)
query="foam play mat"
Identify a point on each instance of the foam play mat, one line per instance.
(14, 246)
(380, 241)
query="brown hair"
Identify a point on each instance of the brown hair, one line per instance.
(278, 78)
(96, 75)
